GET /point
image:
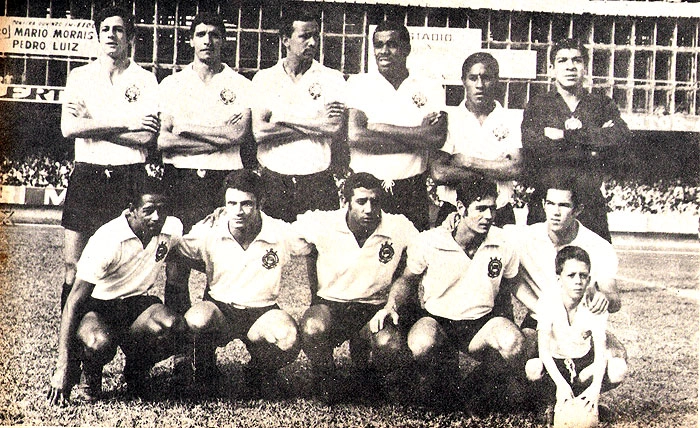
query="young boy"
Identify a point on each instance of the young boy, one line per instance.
(571, 338)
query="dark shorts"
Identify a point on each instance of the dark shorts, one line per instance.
(528, 322)
(97, 194)
(461, 332)
(239, 320)
(120, 314)
(287, 196)
(194, 193)
(571, 369)
(347, 318)
(410, 198)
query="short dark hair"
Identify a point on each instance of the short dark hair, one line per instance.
(244, 180)
(357, 180)
(481, 58)
(475, 189)
(404, 35)
(571, 252)
(148, 186)
(209, 18)
(293, 13)
(568, 44)
(563, 182)
(124, 14)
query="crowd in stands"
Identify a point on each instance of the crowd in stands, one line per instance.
(629, 195)
(662, 196)
(35, 170)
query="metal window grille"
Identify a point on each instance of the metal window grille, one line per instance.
(648, 65)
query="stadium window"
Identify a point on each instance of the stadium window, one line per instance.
(664, 31)
(437, 17)
(498, 28)
(269, 50)
(621, 63)
(479, 19)
(662, 66)
(642, 66)
(145, 11)
(517, 95)
(561, 26)
(57, 73)
(602, 30)
(687, 33)
(457, 18)
(416, 16)
(519, 27)
(36, 72)
(59, 8)
(644, 32)
(620, 97)
(601, 63)
(166, 46)
(353, 56)
(581, 27)
(622, 30)
(248, 50)
(143, 47)
(333, 19)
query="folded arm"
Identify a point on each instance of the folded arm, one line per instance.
(430, 134)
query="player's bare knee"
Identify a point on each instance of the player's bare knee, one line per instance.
(98, 345)
(617, 370)
(422, 345)
(286, 337)
(198, 319)
(534, 369)
(313, 327)
(510, 345)
(388, 340)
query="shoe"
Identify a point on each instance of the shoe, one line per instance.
(137, 380)
(326, 389)
(205, 373)
(368, 384)
(265, 383)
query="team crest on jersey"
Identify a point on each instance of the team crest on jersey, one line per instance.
(501, 132)
(227, 96)
(419, 99)
(132, 93)
(386, 252)
(161, 251)
(270, 259)
(495, 267)
(315, 90)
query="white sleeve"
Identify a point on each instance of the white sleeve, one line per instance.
(98, 259)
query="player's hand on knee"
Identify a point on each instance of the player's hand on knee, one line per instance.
(376, 324)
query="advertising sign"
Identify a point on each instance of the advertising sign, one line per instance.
(48, 36)
(440, 52)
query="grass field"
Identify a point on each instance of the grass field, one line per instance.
(657, 324)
